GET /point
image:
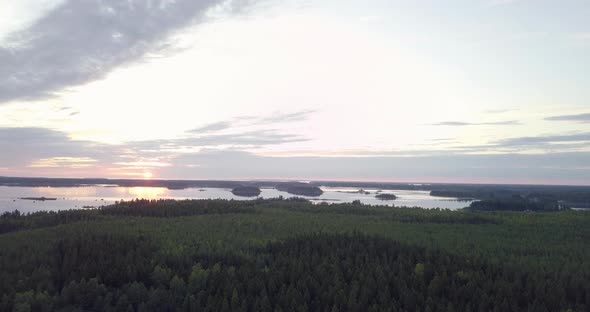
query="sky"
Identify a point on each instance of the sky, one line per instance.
(462, 91)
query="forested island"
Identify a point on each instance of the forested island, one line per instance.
(301, 189)
(246, 191)
(514, 204)
(386, 196)
(518, 197)
(292, 255)
(38, 198)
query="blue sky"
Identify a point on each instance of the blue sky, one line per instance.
(460, 91)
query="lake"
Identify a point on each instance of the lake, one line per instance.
(98, 195)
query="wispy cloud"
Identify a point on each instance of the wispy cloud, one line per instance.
(506, 168)
(585, 118)
(243, 140)
(550, 143)
(63, 162)
(276, 118)
(286, 117)
(543, 140)
(212, 127)
(35, 151)
(23, 146)
(463, 124)
(40, 148)
(81, 41)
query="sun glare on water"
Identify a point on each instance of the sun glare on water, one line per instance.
(147, 192)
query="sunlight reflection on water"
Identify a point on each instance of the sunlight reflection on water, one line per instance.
(94, 196)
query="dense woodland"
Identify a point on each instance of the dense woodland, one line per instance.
(514, 204)
(15, 221)
(300, 189)
(518, 197)
(246, 191)
(291, 255)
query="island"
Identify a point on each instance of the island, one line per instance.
(386, 196)
(300, 189)
(360, 191)
(246, 191)
(38, 198)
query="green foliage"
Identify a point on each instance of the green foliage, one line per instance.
(15, 221)
(168, 208)
(513, 204)
(164, 208)
(284, 255)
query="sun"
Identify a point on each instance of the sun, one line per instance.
(147, 175)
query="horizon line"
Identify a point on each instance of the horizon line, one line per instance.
(322, 180)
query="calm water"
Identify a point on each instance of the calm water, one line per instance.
(78, 197)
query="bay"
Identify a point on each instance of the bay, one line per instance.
(98, 195)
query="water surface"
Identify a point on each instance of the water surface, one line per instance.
(97, 195)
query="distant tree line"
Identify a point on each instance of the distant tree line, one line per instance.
(163, 208)
(513, 204)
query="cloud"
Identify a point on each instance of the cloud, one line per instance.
(22, 146)
(256, 138)
(39, 151)
(242, 140)
(212, 127)
(544, 140)
(25, 145)
(83, 40)
(585, 118)
(29, 150)
(443, 140)
(250, 121)
(550, 143)
(287, 117)
(60, 162)
(463, 124)
(452, 123)
(506, 168)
